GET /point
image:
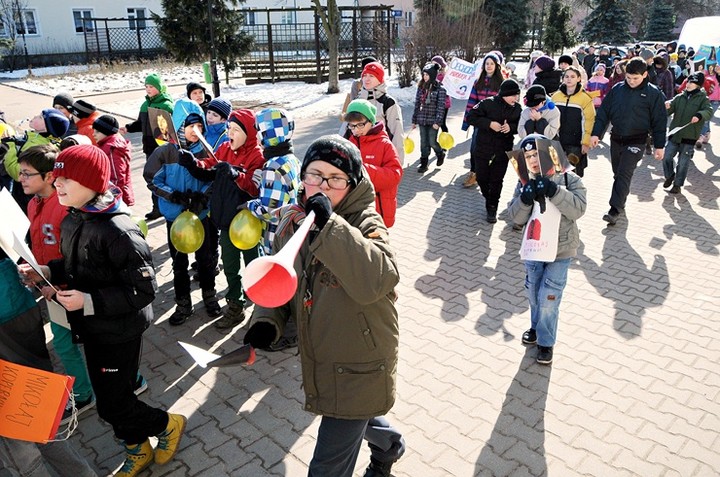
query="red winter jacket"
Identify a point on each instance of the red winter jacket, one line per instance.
(119, 150)
(228, 195)
(383, 165)
(45, 215)
(84, 126)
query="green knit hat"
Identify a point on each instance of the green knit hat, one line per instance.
(364, 107)
(154, 80)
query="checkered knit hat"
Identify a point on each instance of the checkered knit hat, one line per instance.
(275, 126)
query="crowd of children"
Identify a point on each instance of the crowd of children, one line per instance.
(215, 161)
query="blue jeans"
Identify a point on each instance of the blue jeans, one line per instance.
(428, 140)
(686, 152)
(545, 282)
(339, 440)
(706, 126)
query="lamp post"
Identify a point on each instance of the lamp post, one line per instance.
(213, 54)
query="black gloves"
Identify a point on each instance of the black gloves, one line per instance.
(260, 335)
(224, 168)
(178, 197)
(186, 158)
(546, 187)
(320, 204)
(528, 193)
(197, 202)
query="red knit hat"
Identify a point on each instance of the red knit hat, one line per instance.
(375, 69)
(85, 164)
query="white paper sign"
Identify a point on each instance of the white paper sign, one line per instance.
(57, 313)
(460, 77)
(14, 223)
(540, 236)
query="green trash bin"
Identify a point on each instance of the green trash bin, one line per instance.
(206, 71)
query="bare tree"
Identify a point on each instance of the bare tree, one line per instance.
(11, 17)
(330, 18)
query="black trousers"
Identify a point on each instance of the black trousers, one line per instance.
(206, 257)
(113, 370)
(490, 167)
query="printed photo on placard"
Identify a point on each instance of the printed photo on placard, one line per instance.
(552, 157)
(162, 126)
(517, 159)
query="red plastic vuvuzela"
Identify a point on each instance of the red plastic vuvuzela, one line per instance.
(271, 281)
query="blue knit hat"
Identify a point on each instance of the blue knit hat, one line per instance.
(55, 122)
(275, 126)
(221, 106)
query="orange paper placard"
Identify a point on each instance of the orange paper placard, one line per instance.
(32, 402)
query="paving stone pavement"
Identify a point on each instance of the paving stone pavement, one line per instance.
(634, 388)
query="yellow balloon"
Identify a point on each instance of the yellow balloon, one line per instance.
(187, 233)
(408, 145)
(446, 140)
(245, 230)
(142, 224)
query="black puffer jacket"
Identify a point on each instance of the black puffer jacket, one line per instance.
(550, 80)
(106, 256)
(488, 142)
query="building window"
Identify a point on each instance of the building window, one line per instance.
(408, 19)
(249, 18)
(287, 18)
(27, 24)
(136, 18)
(82, 20)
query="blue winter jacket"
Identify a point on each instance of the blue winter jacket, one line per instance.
(171, 176)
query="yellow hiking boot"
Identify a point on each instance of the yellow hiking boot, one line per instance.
(169, 439)
(471, 180)
(137, 458)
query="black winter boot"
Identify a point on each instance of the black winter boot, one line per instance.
(183, 310)
(378, 469)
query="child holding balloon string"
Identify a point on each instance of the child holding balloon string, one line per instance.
(232, 172)
(179, 191)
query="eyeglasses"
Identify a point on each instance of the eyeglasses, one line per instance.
(27, 175)
(357, 125)
(337, 183)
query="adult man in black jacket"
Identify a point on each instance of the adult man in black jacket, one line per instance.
(634, 107)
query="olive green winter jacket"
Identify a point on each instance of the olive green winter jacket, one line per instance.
(344, 307)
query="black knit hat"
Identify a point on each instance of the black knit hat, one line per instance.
(82, 109)
(432, 70)
(106, 124)
(535, 95)
(565, 59)
(192, 87)
(698, 78)
(337, 151)
(509, 87)
(64, 100)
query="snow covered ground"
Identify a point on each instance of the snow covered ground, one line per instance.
(303, 99)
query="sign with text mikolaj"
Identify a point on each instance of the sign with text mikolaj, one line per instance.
(32, 402)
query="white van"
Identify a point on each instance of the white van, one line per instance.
(700, 31)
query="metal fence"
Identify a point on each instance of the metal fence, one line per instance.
(122, 38)
(281, 51)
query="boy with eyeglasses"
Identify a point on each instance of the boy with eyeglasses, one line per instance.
(349, 354)
(378, 156)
